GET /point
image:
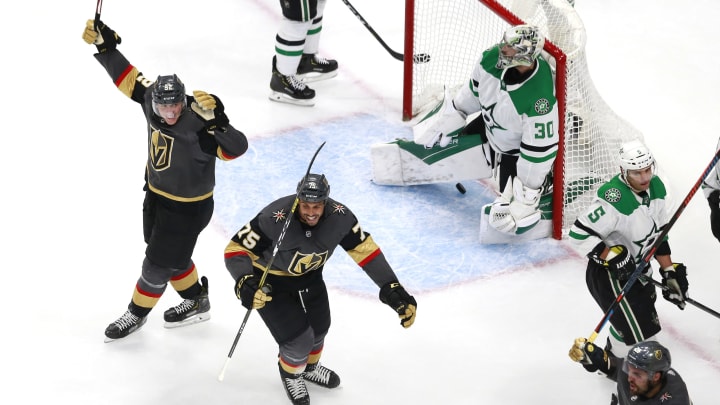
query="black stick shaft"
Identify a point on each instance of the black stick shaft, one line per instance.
(687, 299)
(394, 54)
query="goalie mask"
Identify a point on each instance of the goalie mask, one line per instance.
(168, 91)
(313, 188)
(634, 155)
(526, 40)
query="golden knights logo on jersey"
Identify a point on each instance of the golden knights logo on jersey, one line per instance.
(160, 150)
(303, 263)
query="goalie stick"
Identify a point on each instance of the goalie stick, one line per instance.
(261, 283)
(687, 299)
(417, 58)
(651, 252)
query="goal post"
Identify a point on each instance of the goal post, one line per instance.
(454, 33)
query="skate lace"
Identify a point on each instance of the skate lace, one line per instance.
(319, 374)
(296, 387)
(184, 306)
(127, 320)
(296, 83)
(321, 61)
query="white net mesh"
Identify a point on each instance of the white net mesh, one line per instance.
(454, 33)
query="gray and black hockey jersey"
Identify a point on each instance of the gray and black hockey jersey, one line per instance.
(181, 157)
(304, 250)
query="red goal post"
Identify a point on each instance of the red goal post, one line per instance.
(454, 33)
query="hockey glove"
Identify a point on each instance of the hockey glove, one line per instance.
(210, 109)
(104, 38)
(592, 357)
(516, 211)
(447, 123)
(394, 295)
(714, 200)
(675, 279)
(250, 295)
(618, 262)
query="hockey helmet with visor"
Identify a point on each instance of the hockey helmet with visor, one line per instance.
(313, 188)
(168, 97)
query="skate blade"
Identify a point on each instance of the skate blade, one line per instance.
(316, 76)
(189, 321)
(284, 98)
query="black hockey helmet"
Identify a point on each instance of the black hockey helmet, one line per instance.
(168, 90)
(313, 188)
(650, 356)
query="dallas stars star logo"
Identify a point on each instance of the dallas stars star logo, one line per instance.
(488, 114)
(338, 208)
(647, 241)
(279, 215)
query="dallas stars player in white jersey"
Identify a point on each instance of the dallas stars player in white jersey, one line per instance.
(711, 188)
(513, 90)
(293, 302)
(624, 221)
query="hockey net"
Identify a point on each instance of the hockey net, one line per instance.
(454, 33)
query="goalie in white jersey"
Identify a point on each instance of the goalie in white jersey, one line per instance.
(711, 189)
(623, 222)
(513, 90)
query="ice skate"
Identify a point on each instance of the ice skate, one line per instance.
(123, 326)
(290, 89)
(313, 68)
(294, 387)
(190, 311)
(321, 375)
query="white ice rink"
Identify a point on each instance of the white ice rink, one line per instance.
(494, 324)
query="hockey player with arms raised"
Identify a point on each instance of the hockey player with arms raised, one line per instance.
(186, 135)
(644, 376)
(622, 223)
(293, 302)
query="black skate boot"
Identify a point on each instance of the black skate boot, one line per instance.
(290, 89)
(313, 68)
(123, 326)
(321, 375)
(190, 311)
(294, 387)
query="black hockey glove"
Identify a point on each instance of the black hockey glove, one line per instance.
(675, 279)
(714, 200)
(618, 262)
(252, 297)
(394, 295)
(592, 357)
(104, 38)
(211, 110)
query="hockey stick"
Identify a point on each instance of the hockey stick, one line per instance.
(98, 9)
(650, 253)
(418, 58)
(687, 299)
(261, 283)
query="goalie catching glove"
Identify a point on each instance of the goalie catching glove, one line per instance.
(249, 293)
(592, 357)
(516, 210)
(211, 110)
(448, 122)
(618, 262)
(674, 278)
(394, 295)
(103, 37)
